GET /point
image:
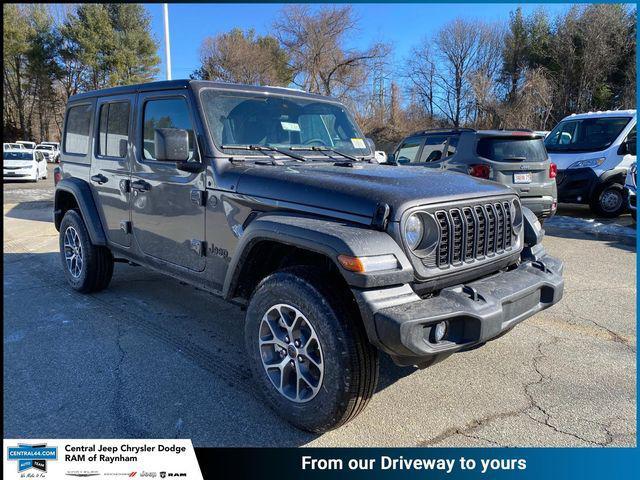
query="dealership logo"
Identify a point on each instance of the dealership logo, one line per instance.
(32, 456)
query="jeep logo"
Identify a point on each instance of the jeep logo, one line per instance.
(218, 252)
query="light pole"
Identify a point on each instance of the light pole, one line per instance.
(167, 46)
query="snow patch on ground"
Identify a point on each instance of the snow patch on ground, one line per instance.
(591, 225)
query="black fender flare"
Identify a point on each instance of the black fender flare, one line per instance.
(615, 175)
(81, 191)
(324, 236)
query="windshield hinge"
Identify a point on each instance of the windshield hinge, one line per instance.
(381, 216)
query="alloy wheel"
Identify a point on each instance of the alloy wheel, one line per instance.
(73, 252)
(291, 353)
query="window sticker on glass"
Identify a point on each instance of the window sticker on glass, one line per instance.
(358, 143)
(290, 126)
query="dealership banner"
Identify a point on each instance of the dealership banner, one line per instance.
(94, 459)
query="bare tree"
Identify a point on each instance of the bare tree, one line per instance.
(420, 70)
(320, 59)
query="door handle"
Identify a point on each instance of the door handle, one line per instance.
(99, 179)
(141, 186)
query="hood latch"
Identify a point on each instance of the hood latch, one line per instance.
(381, 216)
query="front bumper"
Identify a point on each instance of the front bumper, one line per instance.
(401, 323)
(19, 174)
(575, 185)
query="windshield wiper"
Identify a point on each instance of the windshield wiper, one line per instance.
(324, 150)
(264, 148)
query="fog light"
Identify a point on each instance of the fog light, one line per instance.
(439, 331)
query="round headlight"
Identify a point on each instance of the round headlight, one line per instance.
(516, 216)
(413, 231)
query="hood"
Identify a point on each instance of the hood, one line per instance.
(360, 189)
(18, 163)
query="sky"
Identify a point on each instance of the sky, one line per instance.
(403, 25)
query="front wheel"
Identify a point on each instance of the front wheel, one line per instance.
(609, 201)
(309, 356)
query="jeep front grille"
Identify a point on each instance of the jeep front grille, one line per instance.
(471, 233)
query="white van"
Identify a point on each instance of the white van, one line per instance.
(593, 152)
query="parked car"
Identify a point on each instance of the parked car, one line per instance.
(270, 198)
(593, 152)
(12, 146)
(27, 145)
(23, 164)
(515, 158)
(48, 151)
(56, 150)
(630, 186)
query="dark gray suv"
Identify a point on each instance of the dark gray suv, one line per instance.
(516, 158)
(270, 198)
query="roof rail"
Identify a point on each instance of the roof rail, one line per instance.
(444, 130)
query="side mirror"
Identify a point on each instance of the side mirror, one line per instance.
(171, 144)
(631, 144)
(391, 158)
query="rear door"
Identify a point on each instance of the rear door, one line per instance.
(167, 210)
(111, 165)
(518, 161)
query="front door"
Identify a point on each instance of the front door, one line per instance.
(166, 211)
(111, 166)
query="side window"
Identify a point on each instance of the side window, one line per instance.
(165, 113)
(113, 130)
(76, 135)
(452, 148)
(433, 148)
(408, 150)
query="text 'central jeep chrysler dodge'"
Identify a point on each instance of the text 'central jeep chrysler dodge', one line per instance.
(270, 198)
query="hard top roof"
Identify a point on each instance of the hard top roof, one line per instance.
(194, 84)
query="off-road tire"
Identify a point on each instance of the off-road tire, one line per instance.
(598, 205)
(97, 261)
(350, 361)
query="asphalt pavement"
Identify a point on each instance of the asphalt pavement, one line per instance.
(153, 358)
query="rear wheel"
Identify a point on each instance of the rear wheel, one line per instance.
(608, 200)
(310, 357)
(87, 267)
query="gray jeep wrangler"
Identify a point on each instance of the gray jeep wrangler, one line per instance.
(270, 198)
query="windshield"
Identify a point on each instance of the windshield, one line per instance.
(586, 134)
(512, 149)
(18, 155)
(238, 118)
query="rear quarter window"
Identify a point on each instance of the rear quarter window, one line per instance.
(512, 149)
(76, 134)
